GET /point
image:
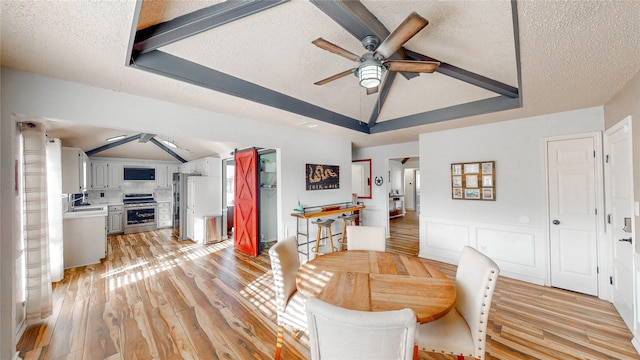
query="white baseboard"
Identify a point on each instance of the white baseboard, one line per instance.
(636, 344)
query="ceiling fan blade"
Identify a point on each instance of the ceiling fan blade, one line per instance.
(405, 31)
(372, 90)
(325, 45)
(335, 77)
(412, 66)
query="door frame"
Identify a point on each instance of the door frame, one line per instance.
(602, 243)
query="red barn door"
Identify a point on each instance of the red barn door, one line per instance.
(245, 210)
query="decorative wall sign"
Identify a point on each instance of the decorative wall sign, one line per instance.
(379, 180)
(474, 181)
(322, 177)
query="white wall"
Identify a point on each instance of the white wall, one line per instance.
(396, 177)
(512, 229)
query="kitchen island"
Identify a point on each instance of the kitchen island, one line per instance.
(85, 236)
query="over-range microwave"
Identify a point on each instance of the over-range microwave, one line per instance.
(139, 173)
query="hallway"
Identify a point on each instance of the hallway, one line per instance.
(405, 234)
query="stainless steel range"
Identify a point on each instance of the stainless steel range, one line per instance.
(140, 213)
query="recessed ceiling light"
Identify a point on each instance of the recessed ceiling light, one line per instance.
(308, 125)
(116, 138)
(170, 144)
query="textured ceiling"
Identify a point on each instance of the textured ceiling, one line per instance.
(573, 54)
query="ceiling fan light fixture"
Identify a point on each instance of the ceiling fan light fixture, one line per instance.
(370, 75)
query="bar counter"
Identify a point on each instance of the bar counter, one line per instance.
(302, 234)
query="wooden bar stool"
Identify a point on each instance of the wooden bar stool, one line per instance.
(324, 224)
(346, 220)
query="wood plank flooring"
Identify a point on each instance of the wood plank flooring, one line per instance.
(156, 298)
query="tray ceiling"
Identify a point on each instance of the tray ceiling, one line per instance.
(273, 61)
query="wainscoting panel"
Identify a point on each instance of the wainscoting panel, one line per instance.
(520, 251)
(446, 239)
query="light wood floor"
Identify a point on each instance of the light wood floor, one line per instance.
(156, 298)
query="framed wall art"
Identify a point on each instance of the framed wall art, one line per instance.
(322, 177)
(473, 181)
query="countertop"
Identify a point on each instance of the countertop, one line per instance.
(86, 211)
(328, 212)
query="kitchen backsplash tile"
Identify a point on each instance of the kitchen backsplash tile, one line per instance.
(128, 187)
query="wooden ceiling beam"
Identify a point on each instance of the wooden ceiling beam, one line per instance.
(111, 145)
(167, 150)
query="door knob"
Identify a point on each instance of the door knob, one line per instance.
(556, 222)
(625, 240)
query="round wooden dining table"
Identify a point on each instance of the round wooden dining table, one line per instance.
(378, 281)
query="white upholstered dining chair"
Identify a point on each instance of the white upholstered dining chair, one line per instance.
(366, 238)
(463, 330)
(285, 262)
(337, 333)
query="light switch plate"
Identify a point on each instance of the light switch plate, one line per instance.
(636, 208)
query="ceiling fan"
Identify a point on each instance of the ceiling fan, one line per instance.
(376, 60)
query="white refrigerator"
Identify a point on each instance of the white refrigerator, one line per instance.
(204, 203)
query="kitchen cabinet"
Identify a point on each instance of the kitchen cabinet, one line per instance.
(74, 170)
(85, 238)
(106, 175)
(201, 166)
(164, 214)
(209, 166)
(115, 220)
(185, 168)
(164, 175)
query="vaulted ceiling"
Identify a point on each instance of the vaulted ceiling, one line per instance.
(500, 60)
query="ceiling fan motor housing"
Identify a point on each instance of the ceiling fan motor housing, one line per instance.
(370, 42)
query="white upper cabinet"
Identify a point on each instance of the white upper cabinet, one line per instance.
(99, 175)
(209, 166)
(164, 175)
(115, 175)
(74, 170)
(106, 175)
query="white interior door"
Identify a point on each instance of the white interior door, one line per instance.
(572, 212)
(619, 194)
(410, 189)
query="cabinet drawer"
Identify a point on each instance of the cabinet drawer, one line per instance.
(113, 208)
(164, 205)
(163, 211)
